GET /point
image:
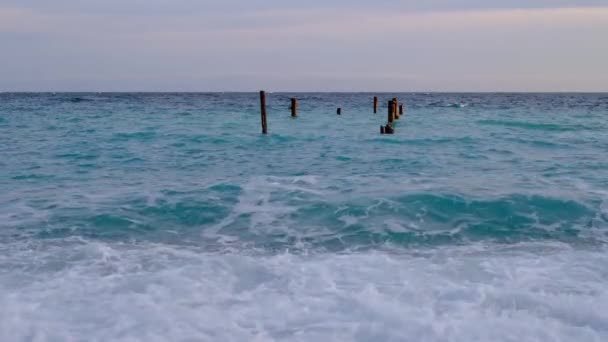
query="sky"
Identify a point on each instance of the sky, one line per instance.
(312, 45)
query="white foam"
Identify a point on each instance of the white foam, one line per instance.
(92, 291)
(263, 201)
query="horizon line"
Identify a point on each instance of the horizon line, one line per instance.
(303, 91)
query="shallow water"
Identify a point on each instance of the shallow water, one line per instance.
(170, 217)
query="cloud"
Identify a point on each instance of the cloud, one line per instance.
(312, 21)
(198, 7)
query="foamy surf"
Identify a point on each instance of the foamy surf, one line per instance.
(81, 290)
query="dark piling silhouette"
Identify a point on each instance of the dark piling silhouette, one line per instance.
(375, 104)
(294, 107)
(263, 112)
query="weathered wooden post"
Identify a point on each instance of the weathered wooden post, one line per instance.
(401, 109)
(294, 107)
(395, 106)
(263, 112)
(381, 129)
(391, 111)
(375, 104)
(339, 111)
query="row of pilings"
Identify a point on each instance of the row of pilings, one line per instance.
(395, 111)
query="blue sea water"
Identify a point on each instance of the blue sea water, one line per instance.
(169, 217)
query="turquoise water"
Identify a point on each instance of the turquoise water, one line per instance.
(170, 217)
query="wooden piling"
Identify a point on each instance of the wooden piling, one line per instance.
(339, 111)
(263, 112)
(375, 104)
(391, 111)
(294, 107)
(401, 109)
(381, 129)
(395, 106)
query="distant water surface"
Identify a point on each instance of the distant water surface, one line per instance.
(169, 217)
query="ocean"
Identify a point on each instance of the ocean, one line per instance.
(170, 217)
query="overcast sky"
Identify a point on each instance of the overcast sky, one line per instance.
(310, 45)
